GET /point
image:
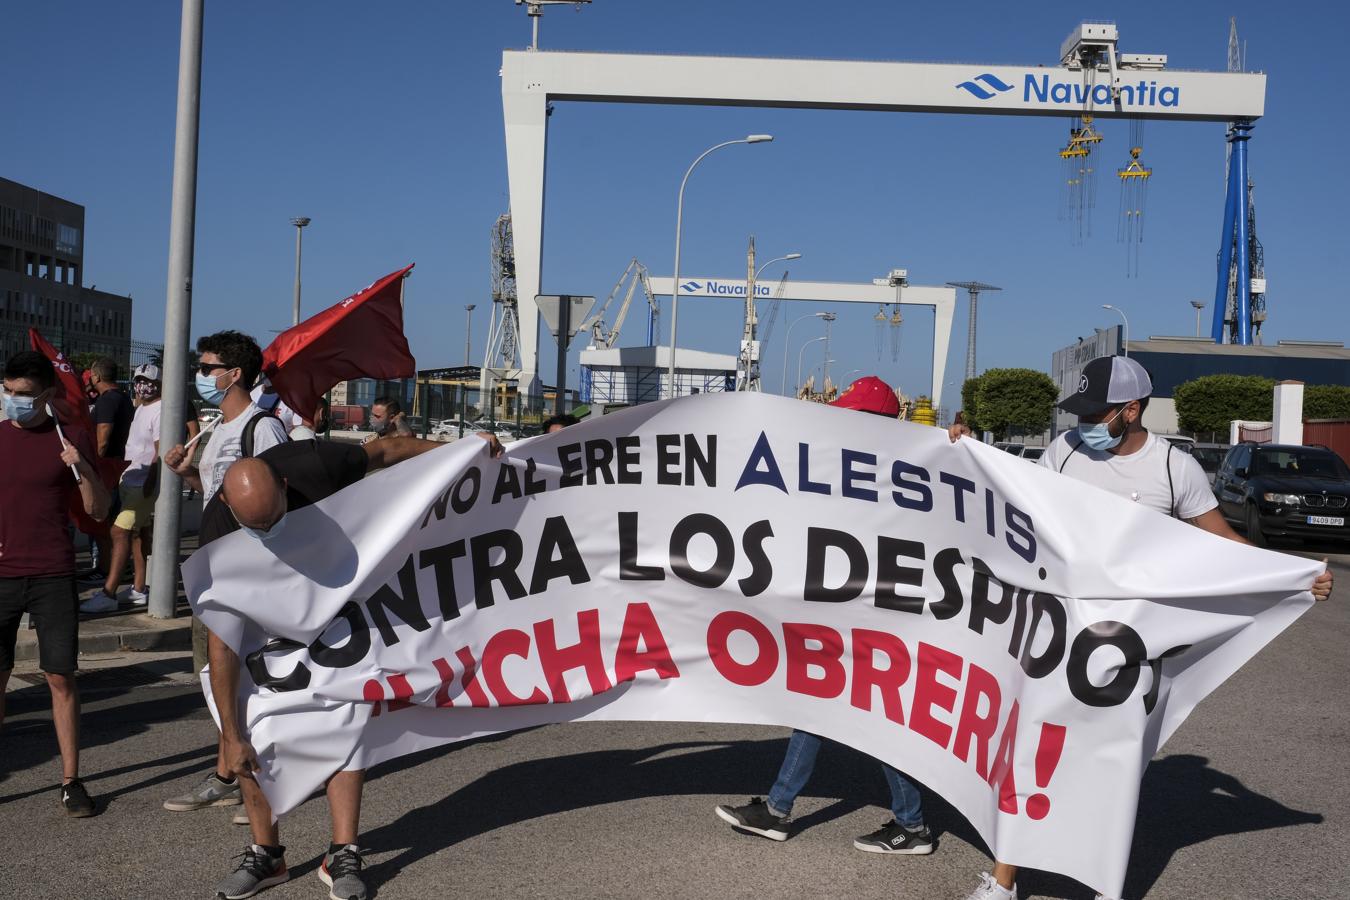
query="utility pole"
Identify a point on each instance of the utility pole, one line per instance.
(299, 223)
(973, 288)
(468, 333)
(748, 376)
(829, 318)
(1199, 305)
(178, 309)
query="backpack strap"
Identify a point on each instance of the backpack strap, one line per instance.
(246, 439)
(1171, 489)
(1076, 447)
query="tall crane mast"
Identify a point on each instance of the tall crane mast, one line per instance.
(501, 358)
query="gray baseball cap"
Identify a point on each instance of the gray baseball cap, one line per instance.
(1105, 382)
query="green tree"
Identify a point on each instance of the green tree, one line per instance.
(82, 361)
(970, 390)
(1210, 403)
(1326, 401)
(1014, 400)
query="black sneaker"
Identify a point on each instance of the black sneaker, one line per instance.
(896, 838)
(76, 800)
(755, 818)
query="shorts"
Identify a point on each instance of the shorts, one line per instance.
(136, 509)
(53, 605)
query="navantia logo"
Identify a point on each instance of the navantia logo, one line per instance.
(690, 287)
(987, 84)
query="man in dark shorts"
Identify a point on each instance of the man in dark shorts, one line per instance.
(37, 555)
(255, 496)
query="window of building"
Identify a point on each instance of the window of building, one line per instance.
(67, 239)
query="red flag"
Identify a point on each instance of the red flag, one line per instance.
(360, 337)
(69, 403)
(70, 407)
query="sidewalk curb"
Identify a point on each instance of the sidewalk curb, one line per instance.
(132, 632)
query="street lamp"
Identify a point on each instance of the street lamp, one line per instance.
(787, 344)
(774, 260)
(468, 332)
(299, 222)
(1199, 305)
(849, 376)
(1127, 325)
(679, 225)
(799, 357)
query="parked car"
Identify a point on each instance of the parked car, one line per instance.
(1033, 454)
(1210, 457)
(1009, 447)
(1284, 490)
(451, 427)
(208, 415)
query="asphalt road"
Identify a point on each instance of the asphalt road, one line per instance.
(1249, 800)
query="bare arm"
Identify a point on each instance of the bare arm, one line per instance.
(239, 754)
(103, 431)
(392, 451)
(92, 492)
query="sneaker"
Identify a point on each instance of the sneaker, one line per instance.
(257, 871)
(100, 602)
(135, 597)
(91, 578)
(896, 838)
(212, 791)
(240, 817)
(755, 818)
(76, 800)
(990, 889)
(341, 871)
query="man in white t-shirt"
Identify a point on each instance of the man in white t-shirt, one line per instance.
(1111, 449)
(130, 532)
(229, 364)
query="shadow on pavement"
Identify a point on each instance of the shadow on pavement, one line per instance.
(1183, 801)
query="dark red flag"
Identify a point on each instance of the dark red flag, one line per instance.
(360, 337)
(69, 403)
(70, 407)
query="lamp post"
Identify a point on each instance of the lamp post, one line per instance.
(1127, 325)
(774, 260)
(299, 222)
(679, 225)
(468, 332)
(1199, 305)
(787, 345)
(799, 357)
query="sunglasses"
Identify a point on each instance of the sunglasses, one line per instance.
(208, 368)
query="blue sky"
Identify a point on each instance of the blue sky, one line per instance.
(382, 122)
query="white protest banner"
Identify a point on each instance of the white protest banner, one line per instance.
(1019, 641)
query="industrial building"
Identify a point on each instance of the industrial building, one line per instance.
(631, 375)
(1171, 361)
(41, 280)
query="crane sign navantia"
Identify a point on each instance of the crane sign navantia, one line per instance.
(1091, 78)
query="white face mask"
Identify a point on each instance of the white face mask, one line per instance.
(270, 534)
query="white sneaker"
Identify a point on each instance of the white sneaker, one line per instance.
(990, 889)
(135, 597)
(100, 602)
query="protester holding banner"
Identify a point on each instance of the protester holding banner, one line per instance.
(559, 422)
(229, 365)
(136, 493)
(1112, 450)
(906, 833)
(111, 413)
(45, 465)
(255, 497)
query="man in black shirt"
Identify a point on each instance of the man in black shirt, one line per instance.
(254, 497)
(112, 415)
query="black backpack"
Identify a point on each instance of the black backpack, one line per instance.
(246, 439)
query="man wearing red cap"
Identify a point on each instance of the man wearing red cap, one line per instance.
(906, 833)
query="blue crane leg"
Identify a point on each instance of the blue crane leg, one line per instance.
(1225, 252)
(1244, 262)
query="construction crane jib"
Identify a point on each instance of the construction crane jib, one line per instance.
(532, 80)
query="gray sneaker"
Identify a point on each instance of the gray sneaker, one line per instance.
(341, 871)
(257, 871)
(211, 792)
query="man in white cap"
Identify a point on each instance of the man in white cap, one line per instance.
(1111, 449)
(131, 527)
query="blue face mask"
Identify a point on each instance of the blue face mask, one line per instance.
(1098, 437)
(207, 389)
(270, 534)
(19, 409)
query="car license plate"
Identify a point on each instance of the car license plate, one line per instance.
(1326, 520)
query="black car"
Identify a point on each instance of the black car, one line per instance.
(1284, 490)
